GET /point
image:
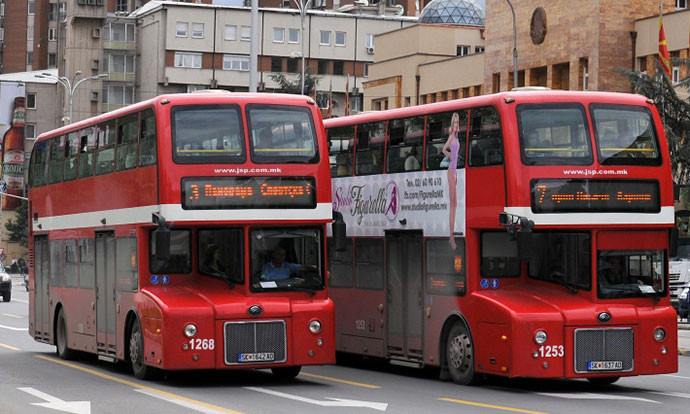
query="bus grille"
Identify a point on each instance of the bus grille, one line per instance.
(615, 344)
(255, 338)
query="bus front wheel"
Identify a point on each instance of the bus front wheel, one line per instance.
(286, 372)
(136, 353)
(63, 350)
(460, 355)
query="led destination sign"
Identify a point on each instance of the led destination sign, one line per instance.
(202, 193)
(602, 196)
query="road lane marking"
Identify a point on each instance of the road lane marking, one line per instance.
(593, 396)
(13, 316)
(138, 386)
(20, 300)
(180, 402)
(496, 407)
(331, 402)
(672, 394)
(12, 328)
(342, 381)
(675, 376)
(54, 403)
(9, 347)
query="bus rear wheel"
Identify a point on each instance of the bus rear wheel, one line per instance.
(286, 372)
(136, 353)
(63, 350)
(460, 355)
(603, 380)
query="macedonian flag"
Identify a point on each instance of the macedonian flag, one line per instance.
(663, 49)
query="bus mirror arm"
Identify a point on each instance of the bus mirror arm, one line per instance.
(162, 238)
(339, 232)
(519, 228)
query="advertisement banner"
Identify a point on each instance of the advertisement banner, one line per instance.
(406, 201)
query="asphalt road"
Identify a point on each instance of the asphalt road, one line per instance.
(34, 380)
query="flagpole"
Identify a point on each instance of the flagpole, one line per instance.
(661, 76)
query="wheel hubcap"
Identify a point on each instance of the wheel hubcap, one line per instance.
(134, 348)
(458, 353)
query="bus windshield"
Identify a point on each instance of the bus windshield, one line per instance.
(207, 134)
(286, 259)
(282, 134)
(552, 134)
(630, 273)
(562, 258)
(625, 135)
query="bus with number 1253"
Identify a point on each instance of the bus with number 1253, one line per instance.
(185, 232)
(520, 234)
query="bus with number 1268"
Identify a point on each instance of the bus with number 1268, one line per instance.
(520, 234)
(185, 232)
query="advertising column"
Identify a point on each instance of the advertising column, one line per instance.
(13, 156)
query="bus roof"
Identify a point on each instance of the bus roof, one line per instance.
(185, 99)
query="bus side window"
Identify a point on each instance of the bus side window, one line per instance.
(445, 268)
(438, 129)
(340, 141)
(87, 271)
(105, 154)
(71, 265)
(147, 138)
(405, 144)
(340, 265)
(87, 146)
(70, 158)
(57, 152)
(369, 263)
(486, 142)
(126, 264)
(56, 263)
(38, 164)
(370, 148)
(499, 255)
(127, 142)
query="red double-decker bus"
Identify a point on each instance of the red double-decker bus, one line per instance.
(185, 232)
(521, 234)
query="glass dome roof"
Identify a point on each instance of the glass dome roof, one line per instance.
(457, 12)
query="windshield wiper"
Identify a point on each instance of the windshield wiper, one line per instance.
(302, 289)
(559, 278)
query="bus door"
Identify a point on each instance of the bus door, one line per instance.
(404, 292)
(105, 292)
(41, 288)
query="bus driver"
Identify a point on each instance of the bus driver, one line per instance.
(279, 269)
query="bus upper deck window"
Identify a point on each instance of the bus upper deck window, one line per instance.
(625, 135)
(282, 134)
(205, 134)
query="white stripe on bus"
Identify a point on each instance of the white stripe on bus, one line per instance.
(665, 216)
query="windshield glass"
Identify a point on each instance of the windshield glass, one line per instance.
(221, 253)
(180, 253)
(554, 134)
(207, 134)
(282, 134)
(630, 273)
(625, 135)
(286, 259)
(562, 258)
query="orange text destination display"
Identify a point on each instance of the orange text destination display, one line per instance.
(601, 196)
(202, 193)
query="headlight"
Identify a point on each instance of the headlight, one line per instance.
(540, 337)
(314, 326)
(659, 334)
(190, 330)
(5, 278)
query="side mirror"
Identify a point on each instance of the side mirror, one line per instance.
(673, 242)
(339, 232)
(162, 243)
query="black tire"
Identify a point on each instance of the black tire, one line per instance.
(136, 353)
(286, 373)
(7, 296)
(460, 355)
(61, 342)
(603, 380)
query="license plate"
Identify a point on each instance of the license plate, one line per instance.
(257, 357)
(604, 365)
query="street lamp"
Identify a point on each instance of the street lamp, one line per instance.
(515, 65)
(303, 6)
(71, 85)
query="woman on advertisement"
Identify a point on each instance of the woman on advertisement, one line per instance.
(451, 149)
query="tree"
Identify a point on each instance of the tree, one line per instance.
(675, 116)
(18, 229)
(286, 85)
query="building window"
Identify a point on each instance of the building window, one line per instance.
(117, 95)
(121, 5)
(681, 4)
(366, 69)
(29, 33)
(230, 32)
(278, 35)
(187, 60)
(121, 32)
(370, 40)
(31, 101)
(52, 13)
(340, 38)
(293, 35)
(478, 49)
(675, 74)
(182, 28)
(585, 74)
(30, 131)
(292, 65)
(338, 67)
(276, 64)
(236, 62)
(122, 64)
(32, 8)
(246, 33)
(323, 67)
(198, 30)
(325, 38)
(52, 34)
(29, 58)
(463, 50)
(2, 31)
(52, 59)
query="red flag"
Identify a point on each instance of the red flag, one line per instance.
(347, 96)
(663, 49)
(330, 100)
